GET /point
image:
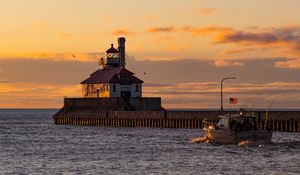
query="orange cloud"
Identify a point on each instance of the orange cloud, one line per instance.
(123, 32)
(206, 30)
(288, 37)
(240, 50)
(210, 30)
(161, 29)
(283, 40)
(224, 63)
(292, 64)
(106, 18)
(67, 56)
(204, 11)
(35, 95)
(65, 34)
(206, 94)
(3, 81)
(151, 17)
(235, 51)
(247, 37)
(184, 95)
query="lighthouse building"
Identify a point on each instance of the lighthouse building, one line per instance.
(113, 79)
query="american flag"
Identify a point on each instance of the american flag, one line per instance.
(233, 100)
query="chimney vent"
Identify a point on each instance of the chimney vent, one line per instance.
(121, 49)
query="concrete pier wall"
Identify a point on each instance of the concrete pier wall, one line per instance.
(149, 113)
(171, 119)
(119, 104)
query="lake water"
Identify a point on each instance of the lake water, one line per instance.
(31, 144)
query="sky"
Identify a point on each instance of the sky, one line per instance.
(185, 48)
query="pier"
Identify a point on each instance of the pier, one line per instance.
(287, 121)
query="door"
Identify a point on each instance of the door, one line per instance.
(125, 94)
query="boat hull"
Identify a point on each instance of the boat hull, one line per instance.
(229, 137)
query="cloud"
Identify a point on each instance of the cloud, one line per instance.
(4, 81)
(82, 37)
(151, 84)
(68, 71)
(224, 63)
(248, 37)
(291, 64)
(46, 70)
(161, 29)
(150, 17)
(124, 32)
(106, 18)
(66, 56)
(181, 83)
(183, 95)
(206, 30)
(65, 35)
(190, 70)
(206, 94)
(35, 95)
(282, 38)
(238, 51)
(204, 11)
(285, 40)
(253, 38)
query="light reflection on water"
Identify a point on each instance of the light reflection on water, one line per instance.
(31, 144)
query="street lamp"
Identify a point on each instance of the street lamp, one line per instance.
(226, 78)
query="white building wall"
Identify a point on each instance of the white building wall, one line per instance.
(117, 92)
(134, 92)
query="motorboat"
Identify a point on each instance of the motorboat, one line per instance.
(237, 128)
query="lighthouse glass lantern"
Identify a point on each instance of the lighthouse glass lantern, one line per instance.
(112, 57)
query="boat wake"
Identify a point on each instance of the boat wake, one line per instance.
(200, 140)
(250, 143)
(245, 143)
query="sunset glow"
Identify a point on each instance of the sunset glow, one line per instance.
(181, 49)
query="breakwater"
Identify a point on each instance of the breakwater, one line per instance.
(288, 121)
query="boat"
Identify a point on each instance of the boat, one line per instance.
(237, 128)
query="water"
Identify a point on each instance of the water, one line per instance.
(31, 144)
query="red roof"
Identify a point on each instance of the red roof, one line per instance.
(109, 76)
(136, 80)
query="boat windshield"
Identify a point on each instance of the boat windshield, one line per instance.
(223, 122)
(243, 124)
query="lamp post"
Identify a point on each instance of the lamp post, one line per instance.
(226, 78)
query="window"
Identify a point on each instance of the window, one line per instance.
(114, 88)
(136, 88)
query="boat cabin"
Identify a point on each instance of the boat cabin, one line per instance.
(238, 122)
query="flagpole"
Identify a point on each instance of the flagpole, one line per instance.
(226, 78)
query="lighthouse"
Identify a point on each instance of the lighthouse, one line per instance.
(113, 79)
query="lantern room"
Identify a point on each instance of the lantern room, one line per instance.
(114, 57)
